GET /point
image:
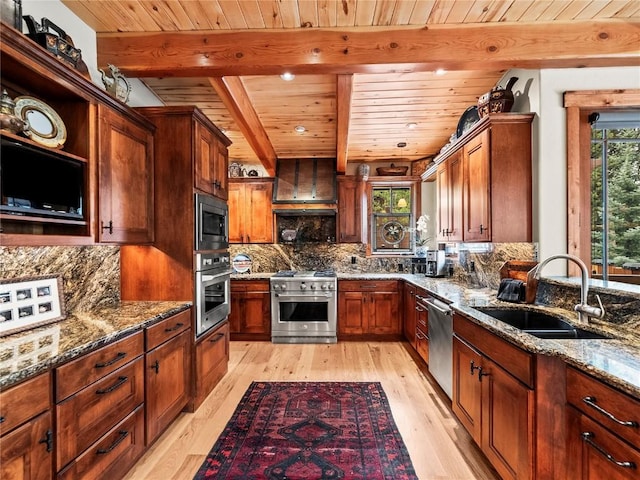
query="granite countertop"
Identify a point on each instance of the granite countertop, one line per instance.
(28, 353)
(615, 361)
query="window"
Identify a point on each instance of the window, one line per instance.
(615, 196)
(392, 219)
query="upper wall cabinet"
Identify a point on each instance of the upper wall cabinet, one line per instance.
(351, 205)
(211, 160)
(125, 178)
(484, 182)
(84, 147)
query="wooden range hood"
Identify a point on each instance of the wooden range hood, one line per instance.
(305, 186)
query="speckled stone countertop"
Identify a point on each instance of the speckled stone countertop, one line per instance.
(28, 353)
(615, 361)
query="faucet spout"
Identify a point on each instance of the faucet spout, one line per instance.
(583, 308)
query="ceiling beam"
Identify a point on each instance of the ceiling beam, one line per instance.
(343, 105)
(234, 96)
(373, 50)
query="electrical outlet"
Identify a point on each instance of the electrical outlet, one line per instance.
(353, 260)
(472, 266)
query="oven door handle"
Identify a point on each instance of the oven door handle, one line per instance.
(306, 297)
(208, 278)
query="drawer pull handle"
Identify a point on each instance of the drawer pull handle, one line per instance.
(178, 326)
(473, 367)
(116, 359)
(121, 381)
(122, 435)
(48, 440)
(591, 401)
(587, 437)
(217, 338)
(2, 419)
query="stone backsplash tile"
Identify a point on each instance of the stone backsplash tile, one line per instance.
(90, 274)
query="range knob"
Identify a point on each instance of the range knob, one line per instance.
(303, 286)
(313, 286)
(324, 286)
(276, 286)
(283, 286)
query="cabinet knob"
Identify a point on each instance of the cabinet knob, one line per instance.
(47, 440)
(155, 366)
(482, 229)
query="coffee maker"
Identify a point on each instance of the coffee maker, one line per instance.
(435, 263)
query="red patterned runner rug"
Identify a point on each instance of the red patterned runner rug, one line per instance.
(310, 430)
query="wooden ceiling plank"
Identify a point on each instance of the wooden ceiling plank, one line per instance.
(327, 13)
(207, 12)
(630, 10)
(421, 12)
(482, 46)
(592, 10)
(612, 9)
(154, 15)
(233, 94)
(516, 10)
(270, 14)
(535, 10)
(346, 13)
(289, 14)
(344, 91)
(497, 10)
(365, 10)
(440, 12)
(233, 13)
(88, 15)
(180, 15)
(252, 14)
(459, 11)
(572, 10)
(552, 11)
(478, 11)
(402, 12)
(308, 14)
(383, 13)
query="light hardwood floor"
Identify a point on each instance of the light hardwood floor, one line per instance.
(439, 447)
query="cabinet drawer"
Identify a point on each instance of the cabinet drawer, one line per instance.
(422, 344)
(22, 402)
(167, 329)
(86, 416)
(514, 360)
(250, 286)
(602, 402)
(114, 454)
(212, 358)
(74, 375)
(368, 285)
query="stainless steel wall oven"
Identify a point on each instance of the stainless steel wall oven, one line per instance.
(212, 285)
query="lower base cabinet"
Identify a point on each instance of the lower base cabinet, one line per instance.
(493, 397)
(211, 363)
(250, 317)
(368, 307)
(422, 326)
(26, 452)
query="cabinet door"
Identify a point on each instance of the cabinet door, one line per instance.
(442, 192)
(409, 317)
(477, 221)
(507, 431)
(167, 382)
(25, 453)
(349, 210)
(126, 180)
(256, 317)
(212, 358)
(467, 399)
(257, 214)
(449, 187)
(206, 150)
(352, 313)
(221, 171)
(236, 212)
(383, 313)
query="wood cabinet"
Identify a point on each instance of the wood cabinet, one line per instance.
(409, 313)
(250, 317)
(94, 395)
(211, 362)
(603, 434)
(422, 325)
(368, 307)
(493, 397)
(484, 182)
(250, 216)
(449, 194)
(26, 441)
(351, 210)
(210, 160)
(125, 178)
(168, 372)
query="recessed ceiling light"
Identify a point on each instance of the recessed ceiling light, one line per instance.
(287, 76)
(412, 125)
(300, 129)
(441, 71)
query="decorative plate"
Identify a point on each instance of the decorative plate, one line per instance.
(44, 125)
(393, 232)
(241, 263)
(467, 120)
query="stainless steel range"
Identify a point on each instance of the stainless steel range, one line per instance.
(304, 307)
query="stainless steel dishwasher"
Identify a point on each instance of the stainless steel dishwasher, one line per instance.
(440, 343)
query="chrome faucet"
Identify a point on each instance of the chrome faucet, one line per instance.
(583, 308)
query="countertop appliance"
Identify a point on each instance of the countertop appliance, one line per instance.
(304, 307)
(419, 265)
(213, 289)
(436, 265)
(440, 343)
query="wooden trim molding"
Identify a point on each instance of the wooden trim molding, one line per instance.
(579, 105)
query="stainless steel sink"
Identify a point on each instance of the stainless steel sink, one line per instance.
(539, 324)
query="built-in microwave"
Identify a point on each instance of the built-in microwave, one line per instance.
(211, 223)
